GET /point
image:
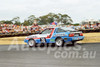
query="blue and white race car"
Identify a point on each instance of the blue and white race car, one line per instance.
(54, 35)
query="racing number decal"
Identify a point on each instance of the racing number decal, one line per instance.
(43, 40)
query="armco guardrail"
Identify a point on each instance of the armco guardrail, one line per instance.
(26, 34)
(15, 34)
(90, 30)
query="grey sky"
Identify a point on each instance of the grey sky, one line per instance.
(78, 9)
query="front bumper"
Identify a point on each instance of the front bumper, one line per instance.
(26, 41)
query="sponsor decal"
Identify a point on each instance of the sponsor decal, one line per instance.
(65, 38)
(78, 38)
(60, 35)
(52, 40)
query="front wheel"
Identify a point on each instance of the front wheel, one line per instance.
(59, 42)
(31, 43)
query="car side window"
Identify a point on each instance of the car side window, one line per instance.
(59, 30)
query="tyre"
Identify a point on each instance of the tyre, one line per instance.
(59, 42)
(73, 43)
(31, 43)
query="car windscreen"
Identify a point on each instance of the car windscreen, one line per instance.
(47, 31)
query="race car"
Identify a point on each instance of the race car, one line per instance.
(57, 35)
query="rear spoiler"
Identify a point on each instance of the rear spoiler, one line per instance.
(76, 32)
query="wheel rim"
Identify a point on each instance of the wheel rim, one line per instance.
(59, 42)
(31, 43)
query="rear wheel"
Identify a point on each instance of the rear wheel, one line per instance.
(73, 43)
(59, 42)
(31, 43)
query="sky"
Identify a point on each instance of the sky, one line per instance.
(78, 10)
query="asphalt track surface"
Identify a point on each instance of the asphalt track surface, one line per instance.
(34, 57)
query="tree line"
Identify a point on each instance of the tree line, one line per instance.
(45, 19)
